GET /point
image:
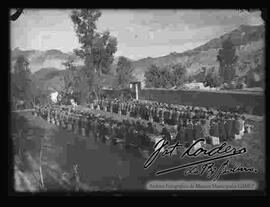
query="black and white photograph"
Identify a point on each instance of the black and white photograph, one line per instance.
(136, 100)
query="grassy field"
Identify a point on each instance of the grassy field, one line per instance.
(99, 167)
(255, 144)
(32, 133)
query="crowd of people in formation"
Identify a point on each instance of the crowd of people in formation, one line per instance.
(107, 130)
(158, 112)
(190, 123)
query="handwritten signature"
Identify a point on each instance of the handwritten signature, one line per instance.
(208, 166)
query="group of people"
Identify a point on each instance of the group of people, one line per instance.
(190, 123)
(154, 111)
(193, 121)
(126, 133)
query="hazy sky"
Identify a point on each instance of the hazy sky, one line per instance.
(140, 33)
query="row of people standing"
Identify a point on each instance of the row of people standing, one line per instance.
(215, 130)
(138, 134)
(151, 111)
(126, 133)
(224, 125)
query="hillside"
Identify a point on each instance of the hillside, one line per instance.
(249, 48)
(46, 65)
(43, 59)
(46, 73)
(51, 79)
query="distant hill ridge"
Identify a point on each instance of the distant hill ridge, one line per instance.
(44, 59)
(250, 38)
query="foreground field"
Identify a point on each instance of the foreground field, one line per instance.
(70, 162)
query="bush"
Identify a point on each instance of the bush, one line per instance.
(212, 80)
(165, 77)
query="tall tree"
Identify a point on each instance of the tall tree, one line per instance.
(69, 81)
(166, 78)
(22, 85)
(212, 79)
(152, 77)
(97, 49)
(179, 74)
(124, 70)
(69, 77)
(226, 58)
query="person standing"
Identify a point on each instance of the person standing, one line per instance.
(189, 132)
(150, 129)
(91, 127)
(114, 133)
(180, 136)
(236, 127)
(214, 128)
(205, 130)
(103, 131)
(177, 117)
(221, 129)
(95, 129)
(120, 106)
(166, 134)
(197, 130)
(156, 112)
(227, 128)
(242, 126)
(166, 116)
(84, 123)
(231, 133)
(87, 124)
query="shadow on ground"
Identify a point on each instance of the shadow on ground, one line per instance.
(100, 167)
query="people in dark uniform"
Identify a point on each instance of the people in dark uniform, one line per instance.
(87, 124)
(109, 132)
(166, 134)
(173, 117)
(230, 132)
(180, 136)
(189, 135)
(236, 125)
(129, 135)
(193, 123)
(102, 131)
(146, 142)
(214, 128)
(227, 127)
(205, 130)
(197, 130)
(160, 115)
(221, 129)
(95, 129)
(166, 116)
(150, 128)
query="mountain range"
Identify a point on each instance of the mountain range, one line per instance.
(249, 41)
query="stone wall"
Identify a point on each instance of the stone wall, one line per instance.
(252, 102)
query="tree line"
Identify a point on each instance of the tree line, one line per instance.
(97, 50)
(165, 77)
(23, 89)
(176, 75)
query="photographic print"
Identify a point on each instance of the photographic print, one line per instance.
(137, 100)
